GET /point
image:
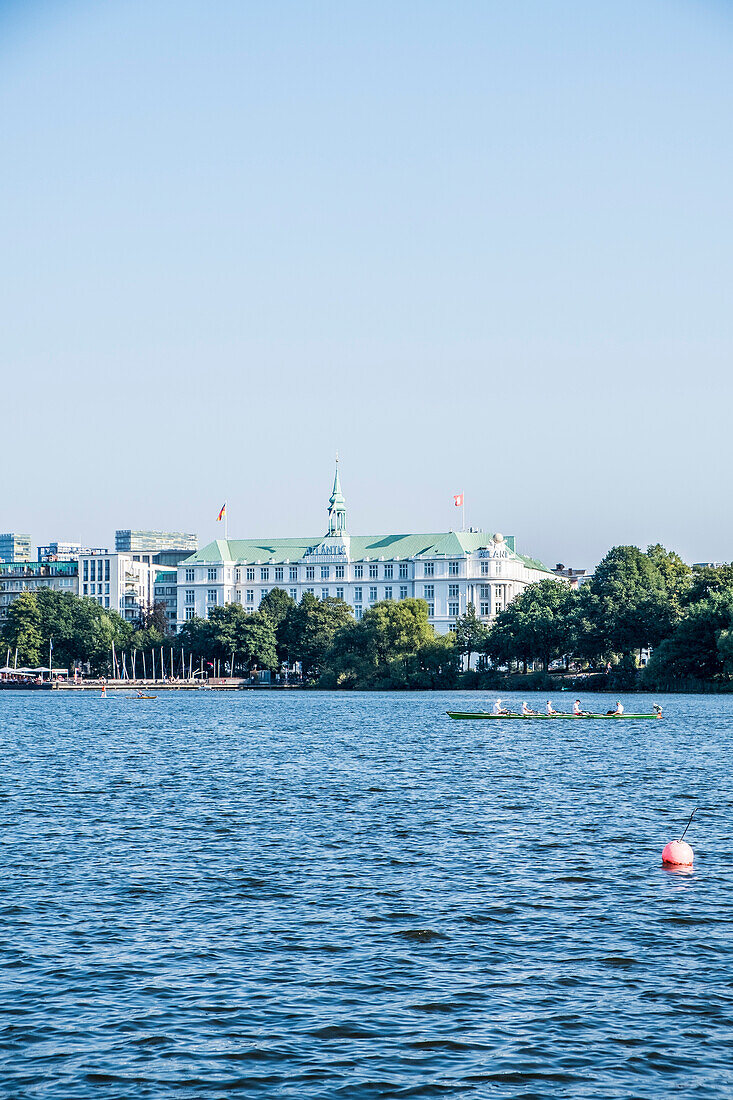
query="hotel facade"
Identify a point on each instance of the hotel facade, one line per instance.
(449, 570)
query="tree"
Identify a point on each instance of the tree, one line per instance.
(154, 618)
(309, 629)
(256, 642)
(231, 633)
(194, 637)
(628, 601)
(389, 647)
(81, 629)
(95, 631)
(438, 663)
(535, 625)
(698, 647)
(22, 629)
(57, 611)
(706, 580)
(276, 605)
(725, 651)
(394, 630)
(675, 573)
(470, 634)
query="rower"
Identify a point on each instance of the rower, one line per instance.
(549, 709)
(498, 708)
(576, 709)
(526, 712)
(619, 708)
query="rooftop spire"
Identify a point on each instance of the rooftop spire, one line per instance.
(337, 507)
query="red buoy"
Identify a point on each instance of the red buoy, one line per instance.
(677, 853)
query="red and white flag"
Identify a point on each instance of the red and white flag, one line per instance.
(458, 500)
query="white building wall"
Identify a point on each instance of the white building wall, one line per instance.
(117, 582)
(489, 579)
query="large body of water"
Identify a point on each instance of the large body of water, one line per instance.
(314, 896)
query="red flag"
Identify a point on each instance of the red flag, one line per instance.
(458, 500)
(222, 512)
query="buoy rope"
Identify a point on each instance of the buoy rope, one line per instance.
(687, 826)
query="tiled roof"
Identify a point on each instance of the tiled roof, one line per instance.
(447, 544)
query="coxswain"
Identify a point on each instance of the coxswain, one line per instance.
(549, 709)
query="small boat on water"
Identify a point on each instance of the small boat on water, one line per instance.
(550, 717)
(139, 696)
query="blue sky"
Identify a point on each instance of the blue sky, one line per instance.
(471, 246)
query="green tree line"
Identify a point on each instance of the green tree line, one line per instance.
(636, 600)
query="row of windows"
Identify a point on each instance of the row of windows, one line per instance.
(37, 582)
(94, 589)
(429, 591)
(249, 595)
(339, 571)
(93, 569)
(277, 572)
(428, 594)
(453, 568)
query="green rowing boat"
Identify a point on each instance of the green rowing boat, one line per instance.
(548, 717)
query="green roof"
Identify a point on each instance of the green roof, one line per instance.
(448, 544)
(166, 576)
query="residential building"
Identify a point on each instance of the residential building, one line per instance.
(574, 577)
(29, 576)
(165, 592)
(117, 582)
(14, 547)
(66, 551)
(449, 570)
(135, 542)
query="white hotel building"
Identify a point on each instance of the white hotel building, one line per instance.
(449, 570)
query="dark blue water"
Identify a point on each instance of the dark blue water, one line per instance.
(350, 896)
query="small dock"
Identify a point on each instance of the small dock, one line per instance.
(220, 684)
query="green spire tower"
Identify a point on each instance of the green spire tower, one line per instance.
(337, 507)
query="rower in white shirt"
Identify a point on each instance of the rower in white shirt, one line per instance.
(549, 709)
(498, 708)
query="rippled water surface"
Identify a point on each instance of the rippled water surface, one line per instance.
(349, 895)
